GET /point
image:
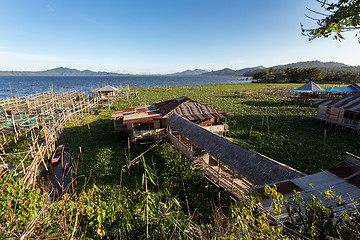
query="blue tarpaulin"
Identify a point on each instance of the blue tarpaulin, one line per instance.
(339, 89)
(311, 87)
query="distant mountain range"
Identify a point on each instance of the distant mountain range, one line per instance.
(230, 72)
(191, 72)
(61, 71)
(311, 64)
(248, 72)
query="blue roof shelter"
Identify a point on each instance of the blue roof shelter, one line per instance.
(351, 88)
(307, 88)
(312, 87)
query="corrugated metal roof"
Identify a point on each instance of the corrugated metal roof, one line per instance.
(344, 169)
(167, 106)
(348, 193)
(351, 103)
(196, 111)
(183, 106)
(137, 114)
(356, 86)
(108, 88)
(317, 181)
(283, 188)
(321, 182)
(355, 180)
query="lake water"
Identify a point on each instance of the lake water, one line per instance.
(20, 85)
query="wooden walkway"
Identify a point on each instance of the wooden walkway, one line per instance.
(212, 169)
(335, 124)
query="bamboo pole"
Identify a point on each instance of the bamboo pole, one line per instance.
(2, 160)
(3, 134)
(2, 148)
(13, 122)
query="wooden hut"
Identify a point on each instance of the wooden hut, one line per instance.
(146, 122)
(216, 150)
(107, 92)
(341, 111)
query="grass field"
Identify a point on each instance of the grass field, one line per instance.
(280, 129)
(266, 121)
(164, 196)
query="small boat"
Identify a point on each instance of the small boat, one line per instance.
(61, 154)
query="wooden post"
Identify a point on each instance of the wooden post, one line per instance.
(89, 131)
(324, 140)
(219, 196)
(129, 149)
(267, 120)
(82, 159)
(72, 101)
(219, 170)
(250, 131)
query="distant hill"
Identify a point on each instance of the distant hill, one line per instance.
(223, 72)
(61, 71)
(328, 68)
(231, 72)
(191, 72)
(312, 64)
(245, 70)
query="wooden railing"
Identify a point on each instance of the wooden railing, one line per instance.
(218, 178)
(217, 128)
(156, 133)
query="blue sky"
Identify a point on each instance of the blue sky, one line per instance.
(161, 36)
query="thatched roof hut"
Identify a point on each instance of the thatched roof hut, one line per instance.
(107, 91)
(254, 166)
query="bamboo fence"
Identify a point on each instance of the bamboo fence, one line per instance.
(43, 117)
